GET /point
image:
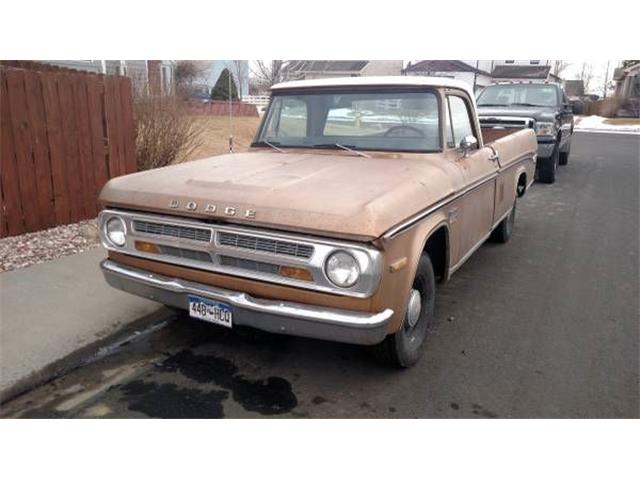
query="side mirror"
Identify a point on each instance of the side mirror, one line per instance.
(468, 143)
(568, 107)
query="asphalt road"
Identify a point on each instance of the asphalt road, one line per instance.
(544, 326)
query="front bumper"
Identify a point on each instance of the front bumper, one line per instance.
(270, 315)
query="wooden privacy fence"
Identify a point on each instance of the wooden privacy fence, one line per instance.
(64, 133)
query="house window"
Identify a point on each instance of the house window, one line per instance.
(534, 62)
(509, 61)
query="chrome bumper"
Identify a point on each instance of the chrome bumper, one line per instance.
(270, 315)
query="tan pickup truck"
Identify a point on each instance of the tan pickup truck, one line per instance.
(355, 198)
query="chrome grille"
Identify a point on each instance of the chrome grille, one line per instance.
(251, 265)
(167, 230)
(185, 253)
(267, 245)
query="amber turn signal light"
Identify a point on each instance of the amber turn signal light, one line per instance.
(147, 247)
(297, 273)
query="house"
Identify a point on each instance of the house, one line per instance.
(310, 69)
(525, 73)
(148, 76)
(627, 82)
(574, 88)
(459, 69)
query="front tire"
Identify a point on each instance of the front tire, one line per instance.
(403, 348)
(549, 166)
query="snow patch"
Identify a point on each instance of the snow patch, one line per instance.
(595, 123)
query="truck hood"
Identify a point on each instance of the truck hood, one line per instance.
(323, 193)
(540, 114)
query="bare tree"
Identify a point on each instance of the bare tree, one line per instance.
(239, 70)
(559, 66)
(268, 73)
(586, 75)
(189, 75)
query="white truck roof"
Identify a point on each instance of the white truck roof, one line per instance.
(373, 81)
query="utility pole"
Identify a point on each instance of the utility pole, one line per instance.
(606, 75)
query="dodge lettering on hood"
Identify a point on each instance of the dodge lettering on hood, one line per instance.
(356, 198)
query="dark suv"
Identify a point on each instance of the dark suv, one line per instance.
(541, 106)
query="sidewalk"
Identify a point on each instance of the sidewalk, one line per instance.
(52, 315)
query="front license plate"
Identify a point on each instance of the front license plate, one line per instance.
(210, 311)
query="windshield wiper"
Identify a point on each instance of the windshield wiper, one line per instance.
(522, 104)
(275, 147)
(492, 104)
(343, 147)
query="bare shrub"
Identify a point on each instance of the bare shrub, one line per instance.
(165, 133)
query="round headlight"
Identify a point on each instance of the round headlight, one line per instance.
(342, 269)
(116, 231)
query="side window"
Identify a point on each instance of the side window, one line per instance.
(459, 119)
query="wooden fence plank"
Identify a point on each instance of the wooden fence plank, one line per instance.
(69, 127)
(128, 127)
(37, 122)
(55, 137)
(23, 149)
(95, 105)
(12, 206)
(85, 174)
(119, 130)
(112, 124)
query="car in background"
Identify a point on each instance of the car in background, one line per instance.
(541, 106)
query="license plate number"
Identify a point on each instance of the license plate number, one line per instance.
(210, 311)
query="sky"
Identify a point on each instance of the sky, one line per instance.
(599, 69)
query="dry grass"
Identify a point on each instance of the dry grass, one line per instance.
(622, 121)
(215, 135)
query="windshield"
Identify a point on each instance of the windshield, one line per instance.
(397, 121)
(529, 95)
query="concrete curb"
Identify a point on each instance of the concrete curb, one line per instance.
(85, 354)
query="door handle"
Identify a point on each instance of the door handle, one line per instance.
(494, 157)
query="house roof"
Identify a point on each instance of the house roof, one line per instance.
(376, 81)
(531, 72)
(428, 66)
(325, 65)
(574, 88)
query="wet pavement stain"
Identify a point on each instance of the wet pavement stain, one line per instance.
(270, 396)
(166, 400)
(480, 410)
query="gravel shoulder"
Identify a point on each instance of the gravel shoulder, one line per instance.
(38, 247)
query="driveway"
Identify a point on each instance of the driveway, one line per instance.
(544, 326)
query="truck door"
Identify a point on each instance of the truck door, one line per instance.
(479, 171)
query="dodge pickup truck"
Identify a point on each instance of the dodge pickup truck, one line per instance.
(541, 106)
(356, 197)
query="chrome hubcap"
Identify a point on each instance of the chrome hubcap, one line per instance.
(414, 307)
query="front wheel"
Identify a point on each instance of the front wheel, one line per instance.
(549, 166)
(564, 156)
(404, 348)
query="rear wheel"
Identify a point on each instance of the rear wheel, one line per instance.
(502, 233)
(549, 166)
(404, 348)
